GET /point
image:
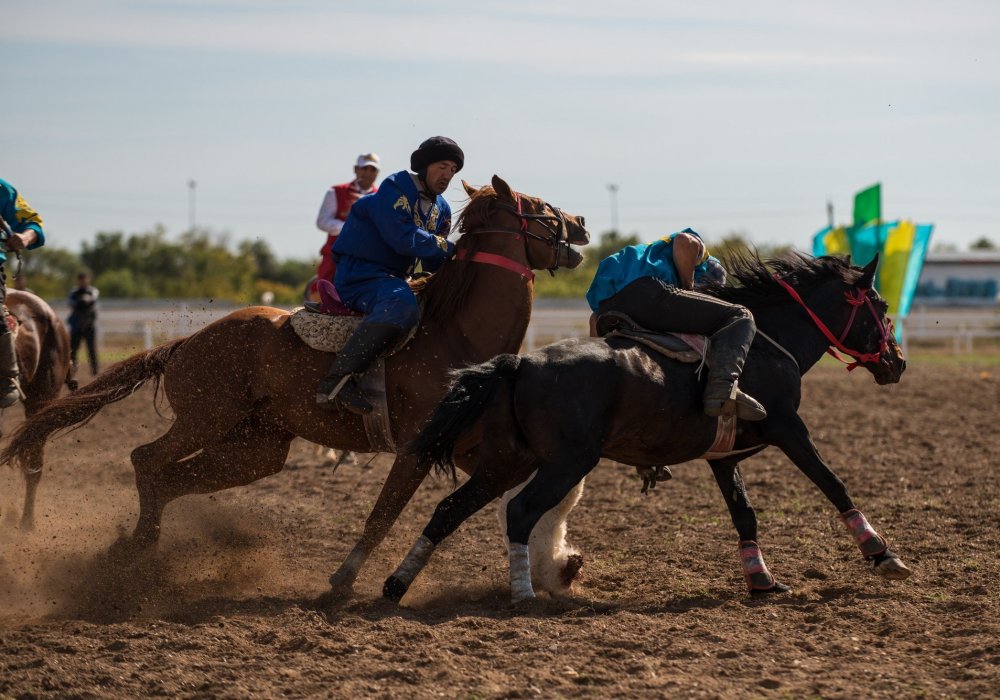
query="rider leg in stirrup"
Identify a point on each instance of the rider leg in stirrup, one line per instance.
(20, 227)
(384, 236)
(655, 283)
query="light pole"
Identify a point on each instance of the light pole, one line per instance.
(613, 191)
(192, 186)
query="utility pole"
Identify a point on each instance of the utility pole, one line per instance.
(613, 191)
(192, 186)
(829, 212)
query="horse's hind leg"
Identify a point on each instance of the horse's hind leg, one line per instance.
(555, 564)
(33, 459)
(759, 578)
(249, 451)
(550, 486)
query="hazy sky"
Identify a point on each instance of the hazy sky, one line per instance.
(724, 116)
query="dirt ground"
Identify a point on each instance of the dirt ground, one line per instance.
(222, 609)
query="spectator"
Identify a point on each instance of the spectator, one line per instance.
(83, 320)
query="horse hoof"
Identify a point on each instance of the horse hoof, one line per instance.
(394, 589)
(776, 587)
(571, 570)
(892, 568)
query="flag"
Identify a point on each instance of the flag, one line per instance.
(868, 205)
(831, 241)
(900, 263)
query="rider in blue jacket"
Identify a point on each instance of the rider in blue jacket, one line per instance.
(655, 285)
(20, 227)
(383, 238)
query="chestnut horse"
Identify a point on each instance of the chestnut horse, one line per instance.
(43, 354)
(244, 386)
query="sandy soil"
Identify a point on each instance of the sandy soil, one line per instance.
(222, 609)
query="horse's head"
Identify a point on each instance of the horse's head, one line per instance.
(849, 312)
(548, 232)
(869, 329)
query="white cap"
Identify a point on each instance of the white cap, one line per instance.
(366, 159)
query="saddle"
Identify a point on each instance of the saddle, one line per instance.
(689, 348)
(326, 326)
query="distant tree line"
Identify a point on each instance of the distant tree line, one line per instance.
(200, 265)
(195, 265)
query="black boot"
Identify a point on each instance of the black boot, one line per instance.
(9, 372)
(727, 351)
(339, 388)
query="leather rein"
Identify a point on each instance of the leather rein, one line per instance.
(855, 297)
(558, 238)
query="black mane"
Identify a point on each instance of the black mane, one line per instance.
(751, 280)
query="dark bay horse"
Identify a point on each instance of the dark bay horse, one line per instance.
(43, 355)
(558, 410)
(243, 387)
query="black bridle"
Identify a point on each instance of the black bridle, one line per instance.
(554, 223)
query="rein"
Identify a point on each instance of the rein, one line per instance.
(855, 297)
(558, 238)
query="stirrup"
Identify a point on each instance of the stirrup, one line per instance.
(741, 405)
(12, 396)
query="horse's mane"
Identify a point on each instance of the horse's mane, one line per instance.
(751, 279)
(443, 293)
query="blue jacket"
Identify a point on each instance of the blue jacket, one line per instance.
(387, 230)
(19, 216)
(646, 260)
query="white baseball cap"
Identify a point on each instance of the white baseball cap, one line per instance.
(366, 159)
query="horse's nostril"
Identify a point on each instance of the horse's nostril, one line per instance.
(582, 222)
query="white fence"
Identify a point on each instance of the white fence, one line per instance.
(143, 324)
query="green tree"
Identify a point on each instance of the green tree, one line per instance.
(983, 243)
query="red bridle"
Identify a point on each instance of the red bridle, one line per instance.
(855, 297)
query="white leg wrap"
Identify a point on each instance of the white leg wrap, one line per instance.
(415, 561)
(520, 573)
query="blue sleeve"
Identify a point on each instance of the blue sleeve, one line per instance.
(609, 278)
(19, 215)
(393, 217)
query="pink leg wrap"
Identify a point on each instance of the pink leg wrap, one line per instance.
(754, 569)
(869, 542)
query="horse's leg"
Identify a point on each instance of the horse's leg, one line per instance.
(189, 433)
(404, 478)
(33, 457)
(451, 512)
(553, 483)
(792, 437)
(555, 564)
(759, 578)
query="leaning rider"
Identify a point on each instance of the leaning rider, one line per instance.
(20, 227)
(384, 236)
(654, 285)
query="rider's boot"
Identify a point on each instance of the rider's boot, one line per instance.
(8, 370)
(727, 351)
(339, 388)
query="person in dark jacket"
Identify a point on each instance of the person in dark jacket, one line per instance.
(385, 235)
(83, 320)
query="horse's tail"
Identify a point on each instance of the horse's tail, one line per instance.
(472, 390)
(77, 409)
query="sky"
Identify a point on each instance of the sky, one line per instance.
(728, 116)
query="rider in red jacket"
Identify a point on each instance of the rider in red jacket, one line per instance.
(337, 204)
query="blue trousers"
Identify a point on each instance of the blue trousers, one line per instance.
(383, 298)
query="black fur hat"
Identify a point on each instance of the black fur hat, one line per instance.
(434, 149)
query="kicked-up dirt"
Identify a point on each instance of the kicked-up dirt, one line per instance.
(223, 607)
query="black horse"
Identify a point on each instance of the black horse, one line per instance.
(558, 410)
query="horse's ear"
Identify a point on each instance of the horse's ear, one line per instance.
(469, 189)
(502, 188)
(868, 274)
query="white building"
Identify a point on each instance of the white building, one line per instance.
(959, 279)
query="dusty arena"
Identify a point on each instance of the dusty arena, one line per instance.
(223, 608)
